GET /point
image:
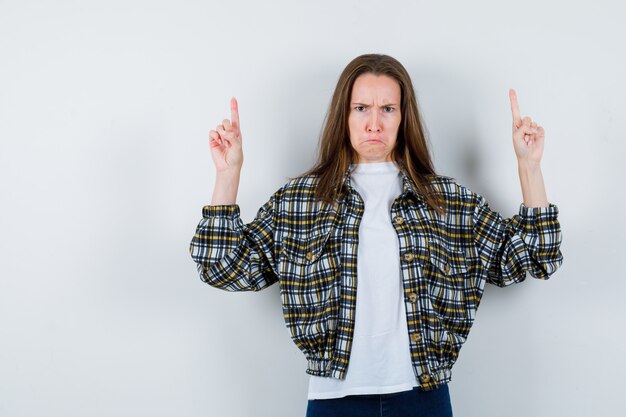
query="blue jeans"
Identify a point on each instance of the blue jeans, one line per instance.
(413, 403)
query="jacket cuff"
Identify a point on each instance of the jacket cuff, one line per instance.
(539, 213)
(221, 210)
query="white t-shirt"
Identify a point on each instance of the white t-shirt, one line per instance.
(380, 358)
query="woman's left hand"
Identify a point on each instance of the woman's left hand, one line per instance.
(527, 135)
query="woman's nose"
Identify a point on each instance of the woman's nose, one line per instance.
(373, 123)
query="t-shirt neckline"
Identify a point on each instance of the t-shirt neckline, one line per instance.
(374, 167)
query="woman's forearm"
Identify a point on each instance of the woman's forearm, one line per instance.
(533, 188)
(226, 186)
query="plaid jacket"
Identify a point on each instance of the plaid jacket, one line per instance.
(310, 248)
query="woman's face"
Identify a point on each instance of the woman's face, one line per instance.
(374, 117)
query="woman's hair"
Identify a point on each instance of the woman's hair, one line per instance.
(335, 152)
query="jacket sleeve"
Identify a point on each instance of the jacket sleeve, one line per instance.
(234, 256)
(528, 241)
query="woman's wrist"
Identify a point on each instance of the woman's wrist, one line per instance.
(226, 187)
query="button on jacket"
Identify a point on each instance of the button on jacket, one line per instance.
(310, 248)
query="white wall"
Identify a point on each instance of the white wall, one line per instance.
(105, 108)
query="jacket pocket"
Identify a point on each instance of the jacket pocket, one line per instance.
(309, 328)
(446, 273)
(308, 271)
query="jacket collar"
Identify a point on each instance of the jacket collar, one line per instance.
(408, 187)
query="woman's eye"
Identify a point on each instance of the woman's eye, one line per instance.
(388, 109)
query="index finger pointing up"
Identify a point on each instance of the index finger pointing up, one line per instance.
(234, 113)
(517, 119)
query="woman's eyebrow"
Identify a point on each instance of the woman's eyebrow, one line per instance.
(384, 105)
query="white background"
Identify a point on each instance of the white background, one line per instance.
(105, 108)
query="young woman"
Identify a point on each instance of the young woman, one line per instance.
(373, 211)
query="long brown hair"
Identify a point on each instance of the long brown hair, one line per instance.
(411, 153)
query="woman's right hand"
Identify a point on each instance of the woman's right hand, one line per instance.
(225, 142)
